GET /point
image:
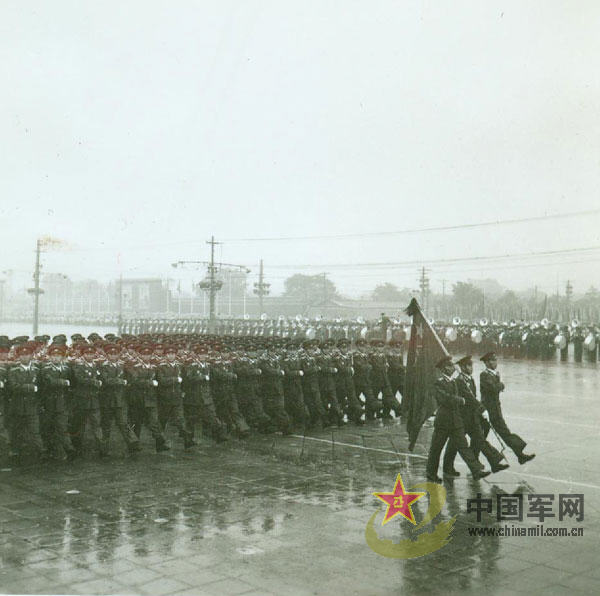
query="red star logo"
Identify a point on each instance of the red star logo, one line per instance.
(399, 502)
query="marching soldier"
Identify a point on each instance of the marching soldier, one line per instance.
(344, 382)
(327, 376)
(222, 379)
(449, 425)
(272, 391)
(380, 382)
(249, 395)
(362, 380)
(310, 386)
(472, 421)
(292, 388)
(54, 385)
(396, 370)
(170, 397)
(85, 399)
(490, 387)
(112, 400)
(22, 384)
(142, 396)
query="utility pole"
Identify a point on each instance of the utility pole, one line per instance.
(424, 287)
(445, 310)
(324, 288)
(36, 290)
(211, 284)
(569, 295)
(261, 288)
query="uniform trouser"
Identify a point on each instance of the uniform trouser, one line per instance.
(346, 395)
(456, 435)
(80, 417)
(251, 404)
(24, 432)
(294, 401)
(372, 404)
(274, 405)
(389, 402)
(396, 378)
(208, 413)
(107, 415)
(312, 399)
(564, 354)
(54, 427)
(172, 411)
(142, 414)
(192, 417)
(578, 352)
(329, 398)
(514, 441)
(228, 409)
(478, 444)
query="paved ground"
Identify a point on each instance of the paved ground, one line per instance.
(277, 515)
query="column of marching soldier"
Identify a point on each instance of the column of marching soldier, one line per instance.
(230, 385)
(51, 392)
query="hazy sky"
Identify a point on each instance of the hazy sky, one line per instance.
(135, 130)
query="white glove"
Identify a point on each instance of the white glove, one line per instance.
(301, 373)
(179, 379)
(154, 383)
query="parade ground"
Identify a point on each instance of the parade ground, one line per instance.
(289, 515)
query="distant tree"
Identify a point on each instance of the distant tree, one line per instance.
(312, 290)
(388, 292)
(468, 300)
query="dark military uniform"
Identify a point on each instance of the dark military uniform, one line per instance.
(198, 406)
(381, 384)
(4, 405)
(449, 425)
(396, 371)
(327, 377)
(249, 396)
(113, 406)
(490, 387)
(292, 389)
(310, 389)
(472, 421)
(54, 378)
(86, 385)
(344, 386)
(271, 386)
(222, 379)
(362, 384)
(143, 402)
(170, 398)
(24, 424)
(578, 340)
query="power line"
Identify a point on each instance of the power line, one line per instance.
(400, 264)
(421, 230)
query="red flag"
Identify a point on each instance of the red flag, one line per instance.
(425, 350)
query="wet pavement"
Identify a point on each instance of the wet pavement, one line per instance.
(287, 515)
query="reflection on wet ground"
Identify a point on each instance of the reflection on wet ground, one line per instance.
(287, 515)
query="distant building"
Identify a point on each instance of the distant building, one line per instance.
(143, 295)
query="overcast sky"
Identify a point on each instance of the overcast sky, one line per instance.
(135, 130)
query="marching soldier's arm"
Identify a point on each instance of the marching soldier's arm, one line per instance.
(445, 394)
(489, 385)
